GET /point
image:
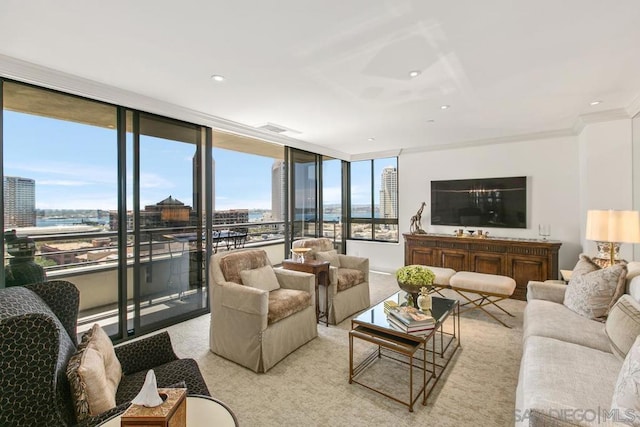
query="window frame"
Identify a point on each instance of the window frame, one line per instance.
(372, 220)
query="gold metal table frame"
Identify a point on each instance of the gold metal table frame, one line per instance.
(372, 326)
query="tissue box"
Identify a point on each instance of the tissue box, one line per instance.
(172, 412)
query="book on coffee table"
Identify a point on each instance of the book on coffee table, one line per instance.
(415, 330)
(411, 316)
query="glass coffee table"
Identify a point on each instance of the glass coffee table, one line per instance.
(430, 352)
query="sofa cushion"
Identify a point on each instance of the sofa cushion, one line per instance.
(234, 262)
(633, 287)
(623, 325)
(285, 302)
(626, 394)
(330, 256)
(260, 278)
(633, 269)
(563, 379)
(552, 320)
(592, 291)
(349, 277)
(94, 373)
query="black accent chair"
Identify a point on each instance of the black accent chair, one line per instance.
(37, 338)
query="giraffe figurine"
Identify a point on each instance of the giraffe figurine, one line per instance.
(416, 225)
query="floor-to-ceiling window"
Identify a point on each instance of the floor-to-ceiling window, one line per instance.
(112, 200)
(121, 203)
(316, 196)
(373, 210)
(303, 192)
(332, 213)
(66, 148)
(249, 206)
(167, 222)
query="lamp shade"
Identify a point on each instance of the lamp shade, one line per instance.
(613, 226)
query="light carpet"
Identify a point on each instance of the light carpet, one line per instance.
(310, 386)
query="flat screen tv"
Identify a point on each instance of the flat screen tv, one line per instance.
(485, 202)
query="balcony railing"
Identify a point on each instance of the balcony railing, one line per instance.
(100, 249)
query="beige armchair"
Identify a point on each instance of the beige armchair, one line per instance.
(258, 319)
(348, 277)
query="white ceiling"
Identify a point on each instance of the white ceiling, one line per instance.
(337, 71)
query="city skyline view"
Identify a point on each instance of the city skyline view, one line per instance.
(67, 183)
(92, 181)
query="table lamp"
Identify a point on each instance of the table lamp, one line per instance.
(610, 228)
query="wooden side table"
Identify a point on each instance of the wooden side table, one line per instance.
(321, 270)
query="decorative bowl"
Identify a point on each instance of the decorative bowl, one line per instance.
(300, 250)
(298, 254)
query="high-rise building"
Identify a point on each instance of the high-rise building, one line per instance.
(19, 202)
(278, 190)
(389, 193)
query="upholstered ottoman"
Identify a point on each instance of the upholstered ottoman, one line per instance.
(441, 281)
(490, 289)
(443, 276)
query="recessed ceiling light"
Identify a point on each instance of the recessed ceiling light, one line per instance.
(414, 73)
(371, 139)
(217, 78)
(445, 107)
(592, 103)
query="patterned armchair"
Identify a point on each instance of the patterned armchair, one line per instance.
(349, 279)
(255, 327)
(37, 339)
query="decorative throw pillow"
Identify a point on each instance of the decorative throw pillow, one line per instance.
(261, 278)
(623, 325)
(584, 265)
(331, 256)
(592, 291)
(94, 374)
(626, 395)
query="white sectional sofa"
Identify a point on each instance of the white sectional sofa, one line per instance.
(568, 371)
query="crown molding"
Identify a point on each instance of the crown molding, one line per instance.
(560, 133)
(375, 155)
(600, 116)
(633, 109)
(28, 72)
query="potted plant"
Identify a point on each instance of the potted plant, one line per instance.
(411, 278)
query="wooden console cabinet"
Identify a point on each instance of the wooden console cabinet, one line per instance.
(521, 259)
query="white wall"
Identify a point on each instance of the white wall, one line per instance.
(551, 166)
(606, 178)
(635, 136)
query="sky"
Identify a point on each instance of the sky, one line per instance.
(74, 166)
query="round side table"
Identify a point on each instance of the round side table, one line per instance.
(202, 411)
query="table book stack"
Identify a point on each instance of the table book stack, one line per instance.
(410, 320)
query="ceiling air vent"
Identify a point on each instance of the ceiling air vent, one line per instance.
(272, 127)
